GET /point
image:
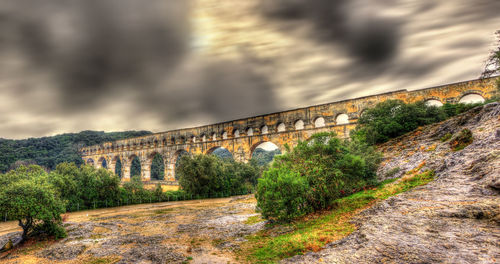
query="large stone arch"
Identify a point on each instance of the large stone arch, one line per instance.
(90, 161)
(150, 159)
(171, 164)
(258, 143)
(102, 163)
(114, 166)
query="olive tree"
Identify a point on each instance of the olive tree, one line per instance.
(27, 196)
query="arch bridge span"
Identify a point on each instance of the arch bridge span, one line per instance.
(242, 136)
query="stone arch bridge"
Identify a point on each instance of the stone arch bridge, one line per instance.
(242, 136)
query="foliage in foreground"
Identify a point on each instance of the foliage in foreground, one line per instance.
(315, 231)
(27, 195)
(394, 118)
(313, 175)
(207, 174)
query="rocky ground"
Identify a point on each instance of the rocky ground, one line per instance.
(196, 232)
(454, 219)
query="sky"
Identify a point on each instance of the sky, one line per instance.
(157, 65)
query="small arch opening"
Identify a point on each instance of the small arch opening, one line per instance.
(319, 122)
(433, 102)
(264, 130)
(236, 133)
(342, 119)
(471, 99)
(214, 136)
(90, 162)
(250, 131)
(224, 135)
(204, 138)
(281, 127)
(299, 125)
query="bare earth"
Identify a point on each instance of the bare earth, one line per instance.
(201, 231)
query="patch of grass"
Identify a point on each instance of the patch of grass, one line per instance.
(446, 137)
(254, 220)
(390, 173)
(431, 148)
(462, 140)
(32, 245)
(313, 232)
(163, 211)
(103, 260)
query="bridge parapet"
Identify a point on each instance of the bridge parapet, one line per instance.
(287, 127)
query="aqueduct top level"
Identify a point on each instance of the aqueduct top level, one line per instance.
(242, 136)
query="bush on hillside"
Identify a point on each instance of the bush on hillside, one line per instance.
(206, 175)
(282, 194)
(27, 196)
(325, 168)
(394, 118)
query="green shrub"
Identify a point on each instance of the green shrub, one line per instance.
(462, 140)
(282, 194)
(330, 167)
(27, 196)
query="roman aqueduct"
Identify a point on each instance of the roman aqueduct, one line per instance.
(241, 137)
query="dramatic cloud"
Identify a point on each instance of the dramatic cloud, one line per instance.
(367, 37)
(71, 65)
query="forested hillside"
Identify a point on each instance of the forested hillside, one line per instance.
(50, 151)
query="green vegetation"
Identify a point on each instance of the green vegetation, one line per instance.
(50, 151)
(315, 231)
(157, 168)
(394, 118)
(208, 174)
(264, 157)
(462, 140)
(317, 172)
(446, 137)
(26, 195)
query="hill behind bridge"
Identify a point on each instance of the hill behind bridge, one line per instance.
(50, 151)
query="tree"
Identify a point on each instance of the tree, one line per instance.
(27, 196)
(492, 67)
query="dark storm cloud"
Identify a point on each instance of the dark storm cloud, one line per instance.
(93, 46)
(368, 39)
(98, 54)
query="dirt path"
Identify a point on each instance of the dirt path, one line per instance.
(200, 231)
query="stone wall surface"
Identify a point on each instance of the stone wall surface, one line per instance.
(242, 136)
